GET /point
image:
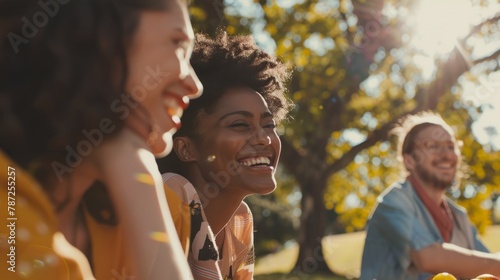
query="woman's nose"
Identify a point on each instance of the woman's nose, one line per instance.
(192, 84)
(260, 137)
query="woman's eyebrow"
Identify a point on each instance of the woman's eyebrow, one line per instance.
(266, 114)
(243, 113)
(248, 114)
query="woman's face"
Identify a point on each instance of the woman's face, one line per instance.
(238, 147)
(161, 80)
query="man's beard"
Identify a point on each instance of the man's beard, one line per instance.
(432, 180)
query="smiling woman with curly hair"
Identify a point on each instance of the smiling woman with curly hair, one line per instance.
(227, 149)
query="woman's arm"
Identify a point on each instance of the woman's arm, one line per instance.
(130, 173)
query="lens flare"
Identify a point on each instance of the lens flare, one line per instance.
(159, 236)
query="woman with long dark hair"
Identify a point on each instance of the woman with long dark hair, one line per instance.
(90, 92)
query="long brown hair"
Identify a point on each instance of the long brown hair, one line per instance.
(62, 66)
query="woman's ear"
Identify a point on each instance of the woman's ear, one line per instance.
(183, 147)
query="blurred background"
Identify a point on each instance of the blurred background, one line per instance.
(358, 67)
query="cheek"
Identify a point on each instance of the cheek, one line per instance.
(154, 69)
(138, 61)
(169, 67)
(134, 79)
(276, 143)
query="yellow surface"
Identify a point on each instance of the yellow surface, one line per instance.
(444, 276)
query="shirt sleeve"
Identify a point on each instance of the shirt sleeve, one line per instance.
(243, 230)
(479, 245)
(399, 219)
(201, 250)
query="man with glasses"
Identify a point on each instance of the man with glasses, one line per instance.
(415, 231)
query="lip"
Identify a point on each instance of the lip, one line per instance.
(445, 168)
(258, 168)
(181, 100)
(445, 165)
(174, 106)
(268, 169)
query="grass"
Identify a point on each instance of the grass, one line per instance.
(281, 276)
(342, 253)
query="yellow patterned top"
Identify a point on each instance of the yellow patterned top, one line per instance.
(31, 246)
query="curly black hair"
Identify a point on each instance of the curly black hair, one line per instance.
(62, 64)
(235, 61)
(227, 62)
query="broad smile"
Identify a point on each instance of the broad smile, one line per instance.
(445, 166)
(262, 162)
(256, 161)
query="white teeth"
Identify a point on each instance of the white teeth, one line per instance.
(444, 165)
(255, 161)
(173, 107)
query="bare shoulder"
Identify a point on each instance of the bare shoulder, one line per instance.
(181, 186)
(243, 210)
(241, 224)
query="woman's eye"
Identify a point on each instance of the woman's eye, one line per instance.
(270, 125)
(181, 47)
(239, 124)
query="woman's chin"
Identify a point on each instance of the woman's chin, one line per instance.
(267, 189)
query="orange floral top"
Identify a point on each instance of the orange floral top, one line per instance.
(235, 260)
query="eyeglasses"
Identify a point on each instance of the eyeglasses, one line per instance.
(437, 146)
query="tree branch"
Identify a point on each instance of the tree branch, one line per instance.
(479, 26)
(450, 70)
(493, 56)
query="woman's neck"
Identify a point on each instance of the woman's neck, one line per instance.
(219, 206)
(67, 197)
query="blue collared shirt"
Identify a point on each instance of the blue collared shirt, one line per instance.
(400, 223)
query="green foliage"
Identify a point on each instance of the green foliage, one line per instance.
(364, 179)
(274, 223)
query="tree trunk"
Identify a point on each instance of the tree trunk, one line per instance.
(312, 230)
(215, 17)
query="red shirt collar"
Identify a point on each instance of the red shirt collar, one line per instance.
(441, 214)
